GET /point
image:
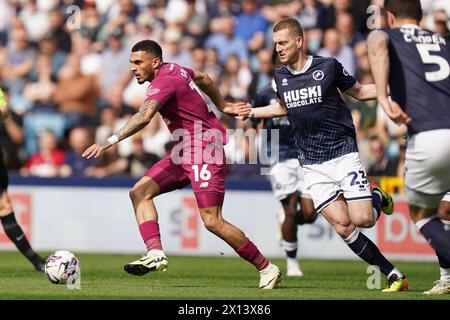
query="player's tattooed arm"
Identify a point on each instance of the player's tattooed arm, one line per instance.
(207, 85)
(378, 53)
(377, 47)
(137, 122)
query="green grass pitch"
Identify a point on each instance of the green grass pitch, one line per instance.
(204, 278)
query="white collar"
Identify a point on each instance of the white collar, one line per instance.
(274, 85)
(409, 25)
(305, 67)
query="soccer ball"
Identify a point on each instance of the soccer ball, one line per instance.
(62, 267)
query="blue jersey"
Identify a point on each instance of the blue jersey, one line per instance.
(322, 123)
(286, 144)
(419, 77)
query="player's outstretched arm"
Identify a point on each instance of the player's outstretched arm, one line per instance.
(207, 85)
(377, 47)
(271, 111)
(137, 122)
(363, 91)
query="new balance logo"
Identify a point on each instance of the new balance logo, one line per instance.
(204, 184)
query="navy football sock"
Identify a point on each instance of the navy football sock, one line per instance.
(290, 248)
(368, 251)
(16, 235)
(376, 204)
(443, 263)
(437, 236)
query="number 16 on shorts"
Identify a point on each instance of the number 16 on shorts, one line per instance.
(208, 177)
(202, 173)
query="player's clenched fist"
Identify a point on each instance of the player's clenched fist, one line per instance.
(245, 110)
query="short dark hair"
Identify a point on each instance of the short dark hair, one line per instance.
(289, 23)
(404, 8)
(149, 46)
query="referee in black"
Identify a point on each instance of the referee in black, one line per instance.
(12, 229)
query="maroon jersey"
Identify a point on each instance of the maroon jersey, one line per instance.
(182, 104)
(186, 114)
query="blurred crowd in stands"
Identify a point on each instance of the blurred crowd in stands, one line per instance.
(65, 67)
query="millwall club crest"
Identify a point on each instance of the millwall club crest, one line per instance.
(344, 72)
(318, 75)
(284, 82)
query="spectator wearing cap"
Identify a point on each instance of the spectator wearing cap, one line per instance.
(147, 27)
(226, 43)
(172, 51)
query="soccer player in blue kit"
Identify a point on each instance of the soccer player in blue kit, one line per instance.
(286, 178)
(308, 92)
(415, 64)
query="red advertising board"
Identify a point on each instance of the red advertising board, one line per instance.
(397, 234)
(189, 223)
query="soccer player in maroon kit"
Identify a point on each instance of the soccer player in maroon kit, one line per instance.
(173, 92)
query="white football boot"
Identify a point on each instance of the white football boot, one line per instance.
(270, 277)
(155, 260)
(293, 268)
(440, 287)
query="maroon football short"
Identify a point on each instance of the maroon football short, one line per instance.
(207, 179)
